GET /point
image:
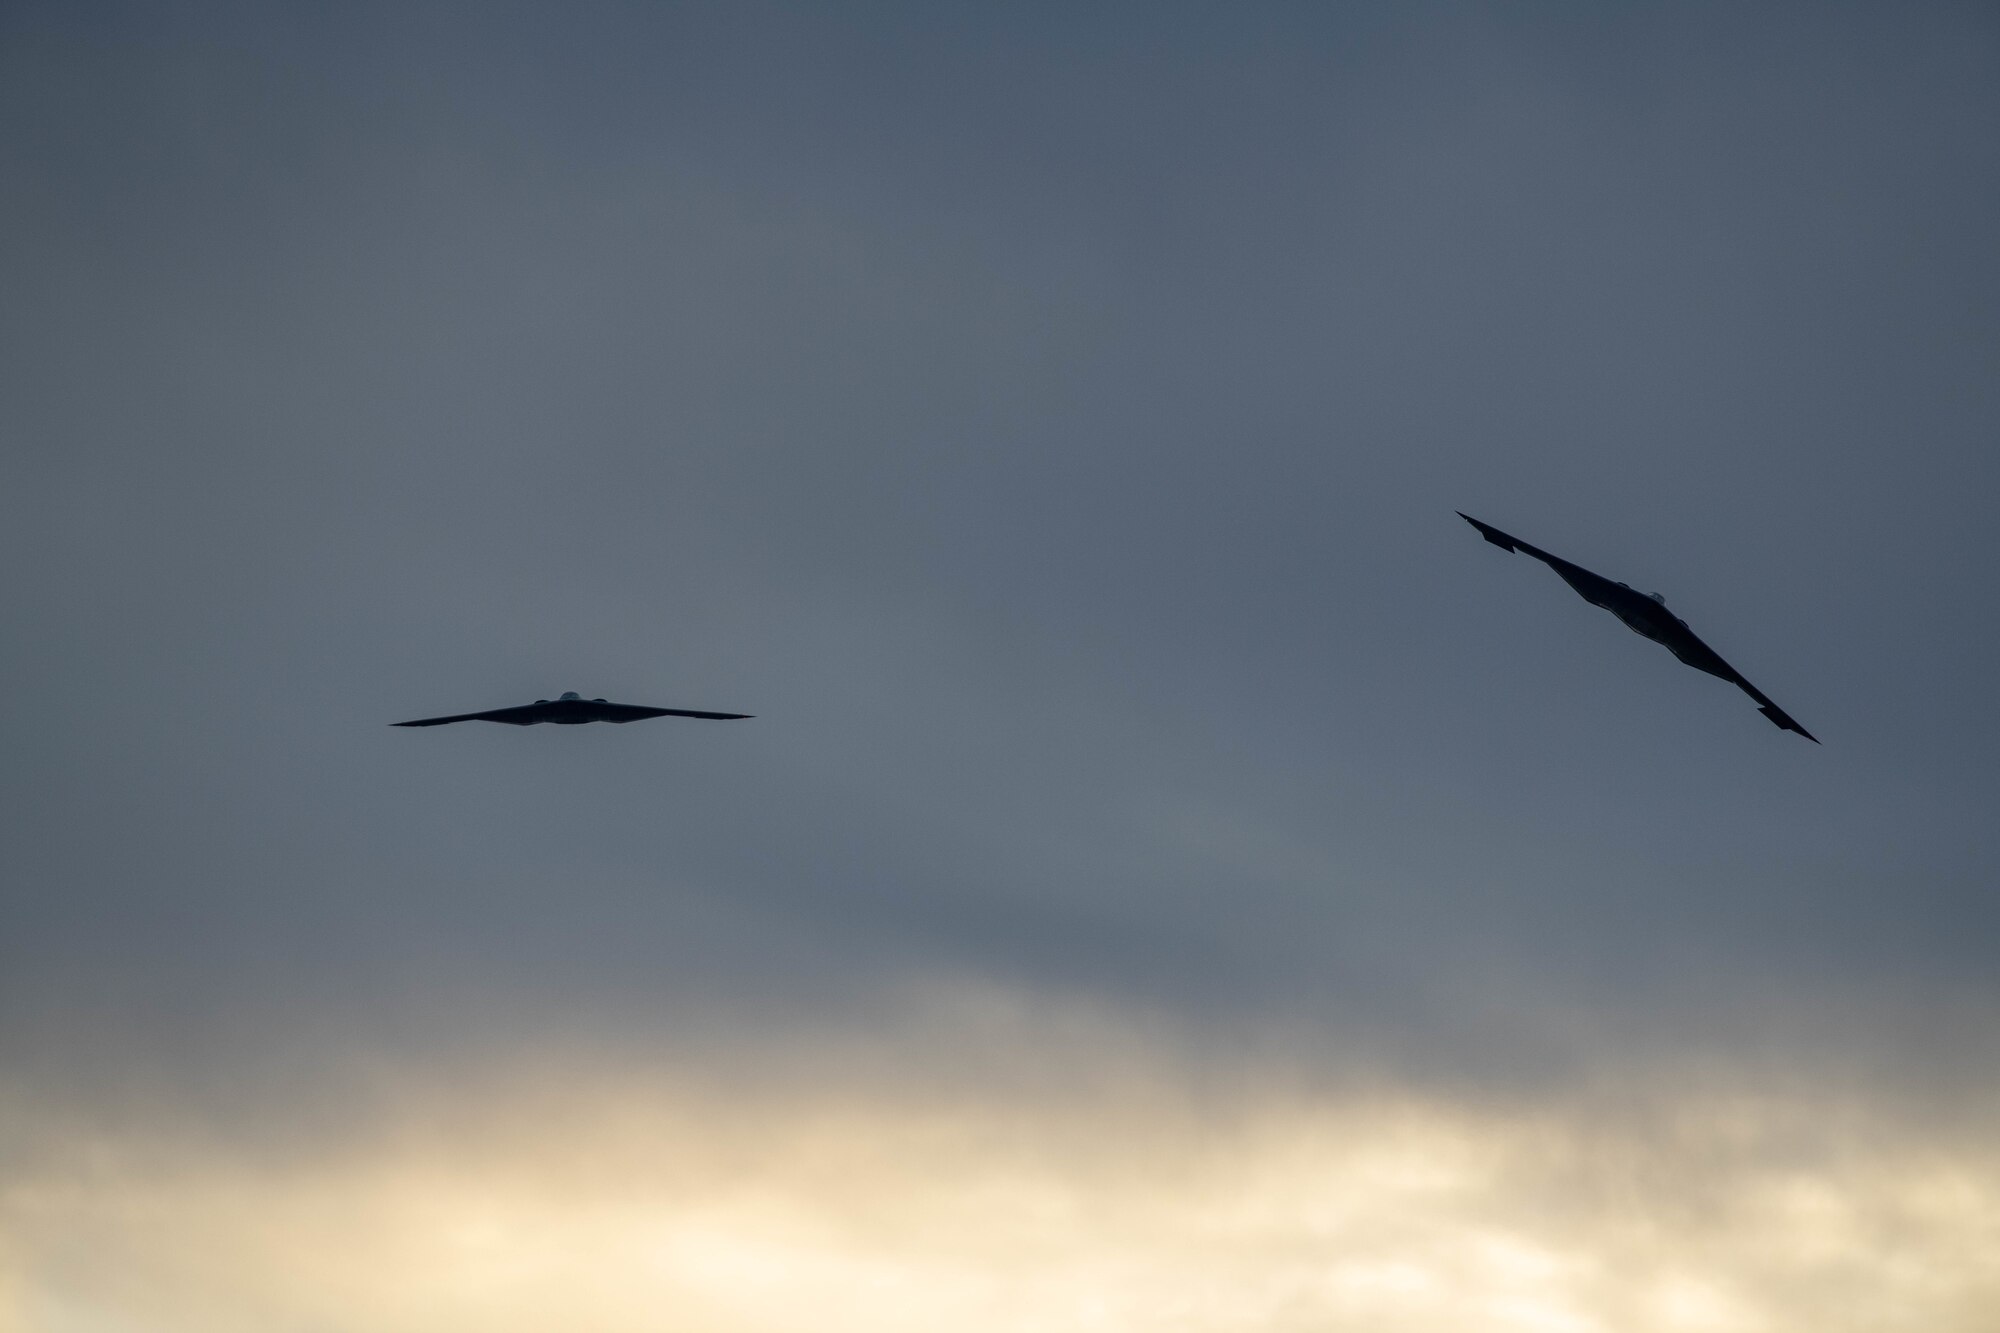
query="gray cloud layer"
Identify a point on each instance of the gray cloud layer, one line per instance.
(1050, 426)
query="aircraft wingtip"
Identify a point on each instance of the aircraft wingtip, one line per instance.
(1490, 533)
(1785, 722)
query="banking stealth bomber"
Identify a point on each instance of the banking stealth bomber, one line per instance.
(1647, 614)
(569, 711)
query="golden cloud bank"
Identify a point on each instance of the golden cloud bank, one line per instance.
(561, 1194)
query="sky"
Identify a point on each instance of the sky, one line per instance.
(1177, 876)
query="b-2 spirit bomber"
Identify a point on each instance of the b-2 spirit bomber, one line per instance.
(569, 711)
(1645, 614)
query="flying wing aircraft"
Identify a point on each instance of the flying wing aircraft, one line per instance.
(1647, 614)
(569, 711)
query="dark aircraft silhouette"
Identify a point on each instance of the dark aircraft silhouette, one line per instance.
(1647, 614)
(569, 711)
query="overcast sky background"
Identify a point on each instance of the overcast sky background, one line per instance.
(1048, 420)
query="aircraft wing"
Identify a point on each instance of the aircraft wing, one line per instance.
(1687, 646)
(524, 716)
(1501, 539)
(634, 712)
(1777, 715)
(1593, 588)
